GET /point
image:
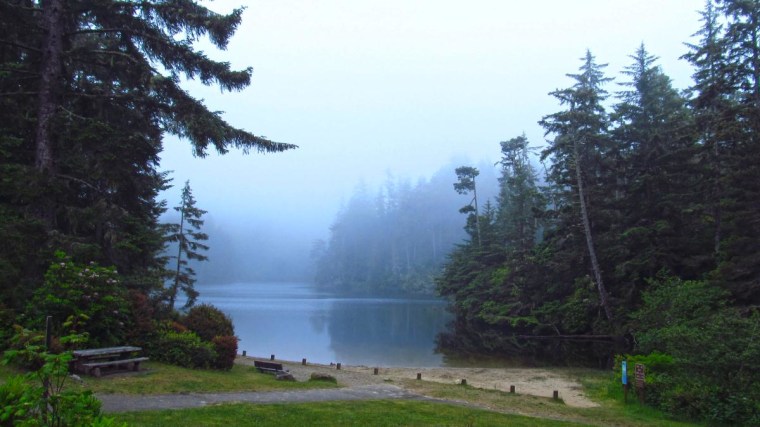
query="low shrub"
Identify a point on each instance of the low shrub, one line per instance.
(208, 322)
(183, 349)
(39, 397)
(226, 351)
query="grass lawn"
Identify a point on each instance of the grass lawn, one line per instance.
(596, 384)
(365, 413)
(159, 378)
(496, 407)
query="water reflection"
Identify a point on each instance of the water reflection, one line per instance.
(293, 321)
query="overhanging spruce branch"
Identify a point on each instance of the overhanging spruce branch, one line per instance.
(20, 46)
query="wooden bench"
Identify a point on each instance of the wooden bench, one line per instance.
(269, 367)
(131, 364)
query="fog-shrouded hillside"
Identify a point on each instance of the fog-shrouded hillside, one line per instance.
(418, 222)
(395, 239)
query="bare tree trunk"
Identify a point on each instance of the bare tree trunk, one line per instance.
(477, 211)
(175, 287)
(52, 19)
(50, 71)
(603, 298)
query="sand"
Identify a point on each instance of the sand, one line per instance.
(532, 381)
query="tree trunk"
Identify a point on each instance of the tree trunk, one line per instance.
(175, 287)
(603, 299)
(52, 20)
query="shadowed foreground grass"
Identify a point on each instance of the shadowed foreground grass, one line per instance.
(365, 413)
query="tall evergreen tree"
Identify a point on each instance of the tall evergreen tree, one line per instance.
(88, 90)
(519, 199)
(579, 151)
(465, 185)
(655, 141)
(188, 236)
(713, 106)
(739, 255)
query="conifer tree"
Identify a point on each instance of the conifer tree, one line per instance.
(579, 150)
(655, 141)
(188, 236)
(519, 199)
(465, 185)
(739, 251)
(88, 91)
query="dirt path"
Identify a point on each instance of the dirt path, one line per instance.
(536, 382)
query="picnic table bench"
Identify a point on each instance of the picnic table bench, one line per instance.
(90, 361)
(269, 367)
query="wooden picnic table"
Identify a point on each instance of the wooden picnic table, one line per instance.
(90, 361)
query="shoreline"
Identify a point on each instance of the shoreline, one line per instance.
(532, 381)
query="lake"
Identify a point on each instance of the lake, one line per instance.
(295, 321)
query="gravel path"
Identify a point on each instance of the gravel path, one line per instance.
(360, 383)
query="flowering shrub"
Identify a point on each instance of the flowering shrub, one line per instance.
(88, 293)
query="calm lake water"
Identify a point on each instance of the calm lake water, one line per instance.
(295, 321)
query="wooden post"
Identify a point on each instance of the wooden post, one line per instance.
(271, 357)
(464, 381)
(375, 373)
(338, 366)
(555, 395)
(243, 353)
(303, 361)
(512, 389)
(419, 376)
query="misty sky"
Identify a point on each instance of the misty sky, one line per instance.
(402, 86)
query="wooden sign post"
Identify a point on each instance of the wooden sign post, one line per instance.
(640, 381)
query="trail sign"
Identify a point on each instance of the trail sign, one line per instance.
(625, 372)
(640, 372)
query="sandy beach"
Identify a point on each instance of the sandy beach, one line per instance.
(532, 381)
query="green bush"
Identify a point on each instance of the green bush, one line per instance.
(715, 349)
(208, 322)
(226, 351)
(183, 349)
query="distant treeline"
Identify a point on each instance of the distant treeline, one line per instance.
(394, 241)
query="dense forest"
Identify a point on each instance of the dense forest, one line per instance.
(645, 237)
